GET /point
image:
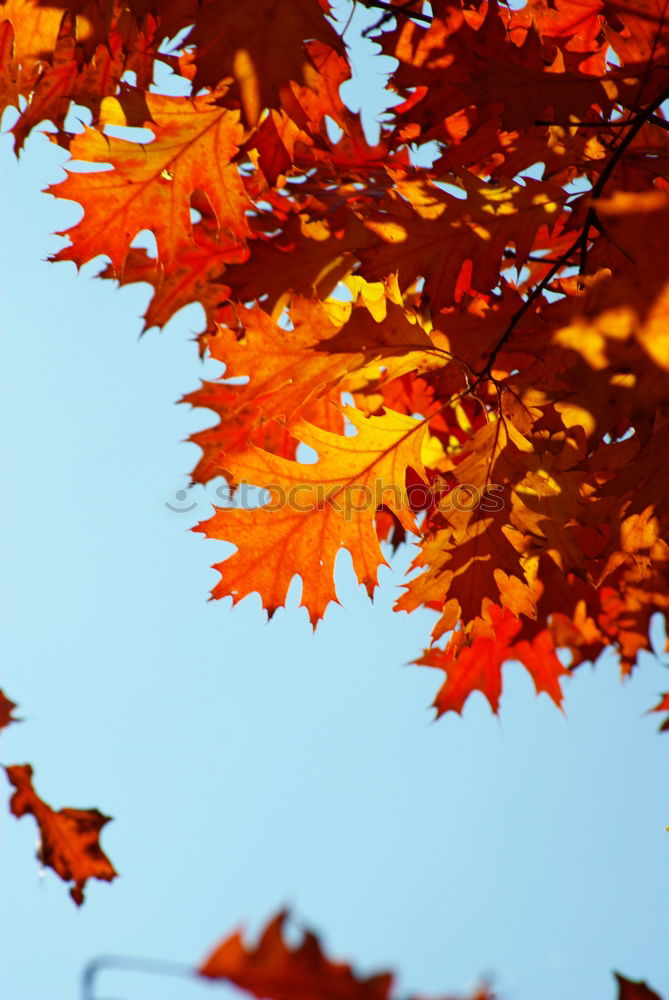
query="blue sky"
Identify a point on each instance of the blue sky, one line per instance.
(248, 765)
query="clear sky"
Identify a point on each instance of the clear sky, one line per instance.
(248, 765)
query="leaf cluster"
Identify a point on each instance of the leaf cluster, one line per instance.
(464, 318)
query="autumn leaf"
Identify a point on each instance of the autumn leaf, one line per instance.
(317, 509)
(69, 838)
(473, 660)
(200, 266)
(150, 185)
(630, 990)
(240, 41)
(52, 58)
(275, 141)
(273, 969)
(9, 74)
(6, 711)
(638, 32)
(243, 424)
(36, 29)
(269, 358)
(329, 345)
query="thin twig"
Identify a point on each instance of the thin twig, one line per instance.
(511, 255)
(652, 119)
(151, 966)
(391, 9)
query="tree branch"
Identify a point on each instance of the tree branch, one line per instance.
(652, 119)
(393, 10)
(581, 242)
(129, 964)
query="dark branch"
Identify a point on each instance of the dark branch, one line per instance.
(511, 255)
(652, 119)
(580, 244)
(393, 10)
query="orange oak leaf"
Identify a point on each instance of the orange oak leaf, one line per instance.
(473, 660)
(271, 357)
(50, 99)
(36, 30)
(327, 342)
(628, 602)
(316, 509)
(273, 969)
(200, 266)
(573, 25)
(69, 838)
(242, 423)
(149, 186)
(263, 348)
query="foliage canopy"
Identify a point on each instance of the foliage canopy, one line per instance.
(464, 318)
